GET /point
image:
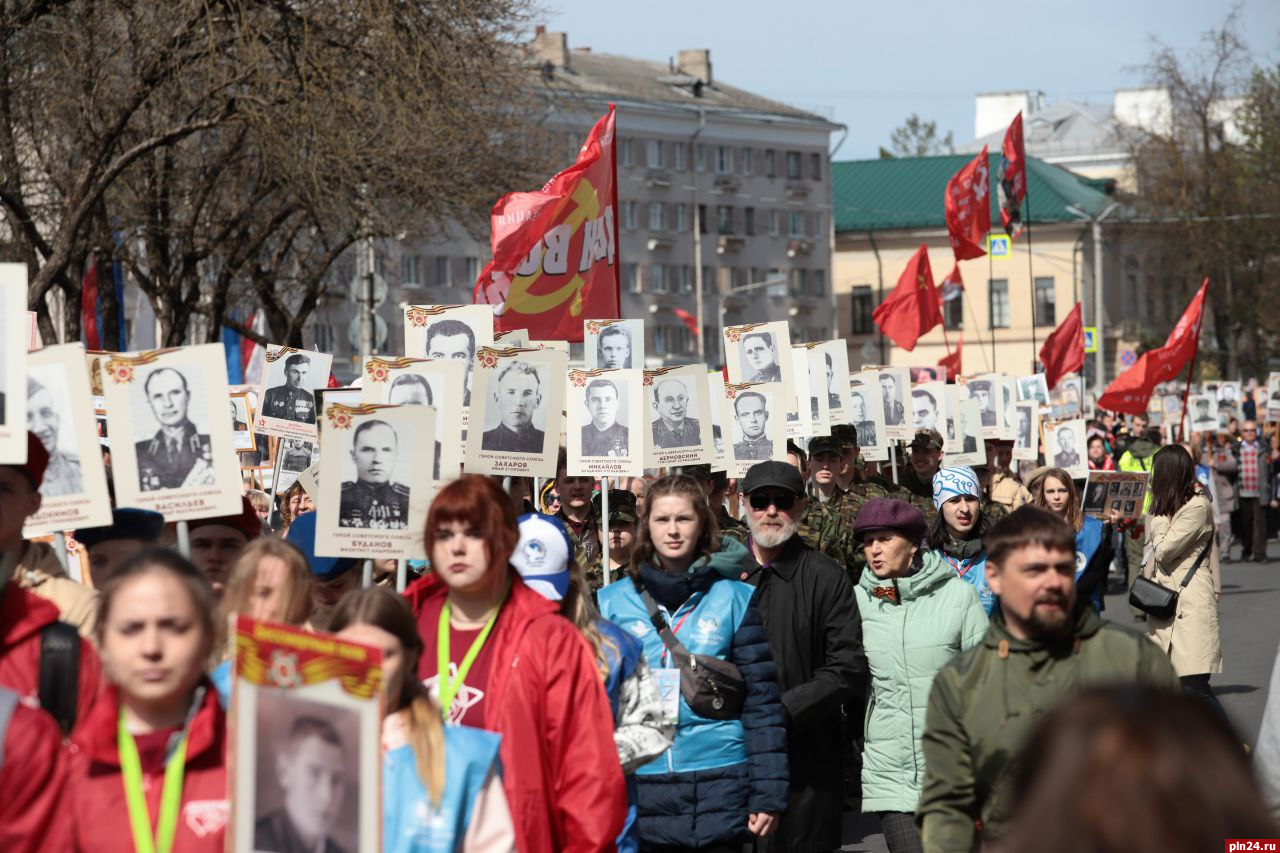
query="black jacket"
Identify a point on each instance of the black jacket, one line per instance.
(815, 633)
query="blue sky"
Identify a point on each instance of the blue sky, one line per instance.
(870, 65)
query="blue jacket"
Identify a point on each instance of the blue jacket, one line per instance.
(1088, 541)
(973, 571)
(409, 823)
(717, 772)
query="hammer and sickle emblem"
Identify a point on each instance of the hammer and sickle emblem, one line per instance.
(586, 206)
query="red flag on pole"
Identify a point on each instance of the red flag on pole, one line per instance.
(913, 307)
(555, 251)
(968, 208)
(952, 360)
(89, 305)
(1132, 389)
(1063, 351)
(953, 285)
(690, 321)
(1011, 177)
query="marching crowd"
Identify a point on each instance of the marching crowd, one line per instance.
(754, 659)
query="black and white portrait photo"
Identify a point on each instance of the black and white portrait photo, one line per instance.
(414, 389)
(177, 453)
(981, 391)
(1203, 412)
(674, 407)
(516, 396)
(760, 357)
(1034, 388)
(1095, 496)
(752, 437)
(1067, 446)
(719, 417)
(894, 401)
(449, 332)
(242, 424)
(616, 345)
(1026, 440)
(291, 399)
(378, 497)
(603, 434)
(453, 339)
(296, 455)
(861, 420)
(928, 407)
(1229, 396)
(49, 416)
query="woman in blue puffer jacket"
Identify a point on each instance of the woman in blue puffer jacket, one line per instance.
(722, 781)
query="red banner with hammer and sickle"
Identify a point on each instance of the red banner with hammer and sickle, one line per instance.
(555, 251)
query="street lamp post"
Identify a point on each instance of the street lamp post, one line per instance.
(1099, 308)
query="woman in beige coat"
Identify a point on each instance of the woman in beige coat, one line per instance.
(1179, 527)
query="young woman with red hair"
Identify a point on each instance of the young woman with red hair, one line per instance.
(498, 656)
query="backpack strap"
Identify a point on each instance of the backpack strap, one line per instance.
(59, 689)
(8, 702)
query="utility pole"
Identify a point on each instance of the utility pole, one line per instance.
(697, 238)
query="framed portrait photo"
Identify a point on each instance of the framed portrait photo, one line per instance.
(424, 382)
(304, 732)
(517, 412)
(604, 429)
(449, 332)
(613, 344)
(895, 399)
(173, 450)
(287, 396)
(1066, 447)
(758, 431)
(987, 390)
(241, 413)
(60, 413)
(1026, 431)
(678, 428)
(761, 352)
(13, 364)
(293, 456)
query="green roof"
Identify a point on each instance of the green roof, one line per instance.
(907, 192)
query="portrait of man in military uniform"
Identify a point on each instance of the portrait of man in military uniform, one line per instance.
(290, 401)
(751, 411)
(178, 455)
(373, 500)
(613, 347)
(456, 340)
(894, 410)
(1066, 456)
(865, 426)
(296, 455)
(833, 399)
(517, 397)
(44, 418)
(1022, 436)
(412, 389)
(924, 407)
(604, 436)
(673, 426)
(760, 358)
(980, 390)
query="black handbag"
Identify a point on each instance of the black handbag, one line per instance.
(1161, 601)
(713, 688)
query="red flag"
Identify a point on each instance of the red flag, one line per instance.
(951, 361)
(953, 285)
(1132, 389)
(913, 307)
(89, 305)
(690, 321)
(1063, 351)
(968, 206)
(555, 251)
(1011, 177)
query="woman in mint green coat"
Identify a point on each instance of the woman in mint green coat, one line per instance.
(916, 615)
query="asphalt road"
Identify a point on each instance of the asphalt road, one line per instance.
(1250, 619)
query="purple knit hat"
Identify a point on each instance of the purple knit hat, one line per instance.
(890, 514)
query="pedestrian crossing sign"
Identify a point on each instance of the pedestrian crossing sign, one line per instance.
(999, 246)
(1090, 339)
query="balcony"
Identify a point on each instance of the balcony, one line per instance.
(797, 248)
(658, 179)
(797, 190)
(726, 184)
(726, 243)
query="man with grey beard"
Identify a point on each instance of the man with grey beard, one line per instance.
(815, 634)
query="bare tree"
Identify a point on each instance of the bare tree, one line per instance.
(917, 138)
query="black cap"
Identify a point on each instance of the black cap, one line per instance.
(846, 435)
(126, 523)
(622, 505)
(825, 444)
(697, 472)
(780, 475)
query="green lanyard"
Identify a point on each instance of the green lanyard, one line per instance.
(448, 687)
(136, 799)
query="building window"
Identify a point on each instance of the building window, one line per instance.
(657, 278)
(473, 269)
(702, 218)
(998, 288)
(708, 279)
(628, 153)
(442, 272)
(815, 166)
(819, 282)
(653, 153)
(700, 157)
(678, 155)
(863, 303)
(775, 223)
(724, 160)
(953, 312)
(657, 216)
(724, 219)
(411, 269)
(770, 163)
(629, 215)
(799, 282)
(671, 340)
(817, 232)
(682, 217)
(631, 278)
(793, 165)
(684, 278)
(746, 161)
(739, 278)
(749, 221)
(1045, 313)
(795, 223)
(779, 286)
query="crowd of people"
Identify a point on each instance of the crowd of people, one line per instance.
(712, 664)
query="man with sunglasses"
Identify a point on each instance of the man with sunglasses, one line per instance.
(1254, 490)
(807, 605)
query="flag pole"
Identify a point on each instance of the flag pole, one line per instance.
(991, 272)
(1192, 372)
(1032, 275)
(604, 522)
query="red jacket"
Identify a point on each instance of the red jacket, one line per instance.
(545, 697)
(96, 815)
(31, 780)
(22, 616)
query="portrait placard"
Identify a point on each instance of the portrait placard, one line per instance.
(968, 426)
(375, 481)
(293, 456)
(929, 407)
(895, 400)
(172, 448)
(987, 390)
(1026, 431)
(424, 382)
(718, 403)
(1066, 399)
(819, 411)
(1034, 388)
(13, 364)
(761, 352)
(799, 422)
(511, 338)
(1229, 396)
(866, 413)
(1009, 394)
(1123, 491)
(93, 360)
(932, 373)
(678, 417)
(242, 434)
(1273, 396)
(304, 739)
(74, 492)
(449, 332)
(758, 433)
(518, 410)
(613, 344)
(953, 434)
(1202, 413)
(605, 426)
(1067, 448)
(286, 397)
(834, 358)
